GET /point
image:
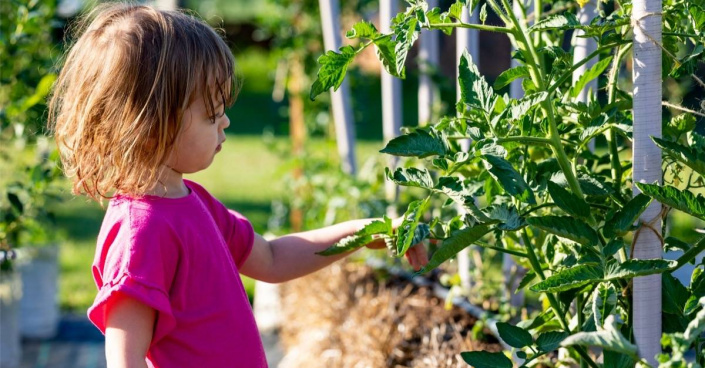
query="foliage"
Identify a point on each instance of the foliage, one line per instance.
(529, 186)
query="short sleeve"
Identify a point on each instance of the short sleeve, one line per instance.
(139, 260)
(236, 228)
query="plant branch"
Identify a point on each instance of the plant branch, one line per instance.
(568, 74)
(480, 27)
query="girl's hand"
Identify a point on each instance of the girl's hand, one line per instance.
(417, 255)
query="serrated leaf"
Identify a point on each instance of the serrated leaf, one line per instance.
(566, 227)
(363, 29)
(604, 303)
(514, 336)
(567, 201)
(422, 232)
(435, 17)
(457, 241)
(486, 359)
(538, 321)
(636, 267)
(502, 171)
(406, 33)
(455, 189)
(483, 13)
(526, 280)
(588, 184)
(589, 75)
(569, 278)
(673, 197)
(508, 216)
(566, 20)
(418, 143)
(410, 177)
(623, 221)
(385, 51)
(347, 244)
(689, 156)
(525, 104)
(407, 229)
(612, 247)
(550, 341)
(674, 296)
(509, 75)
(697, 326)
(608, 339)
(456, 9)
(474, 90)
(333, 66)
(671, 244)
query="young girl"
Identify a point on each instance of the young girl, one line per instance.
(140, 102)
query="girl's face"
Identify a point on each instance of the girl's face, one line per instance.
(200, 138)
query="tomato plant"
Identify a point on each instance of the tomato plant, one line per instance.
(529, 185)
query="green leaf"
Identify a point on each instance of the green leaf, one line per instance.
(457, 241)
(455, 189)
(623, 221)
(526, 103)
(514, 336)
(566, 227)
(422, 232)
(608, 339)
(332, 71)
(456, 10)
(407, 229)
(509, 75)
(691, 253)
(385, 51)
(617, 360)
(509, 178)
(508, 215)
(589, 75)
(569, 278)
(637, 267)
(526, 280)
(604, 303)
(689, 156)
(486, 359)
(563, 21)
(612, 247)
(418, 143)
(674, 296)
(435, 17)
(681, 200)
(406, 33)
(550, 341)
(410, 177)
(483, 13)
(363, 29)
(567, 201)
(474, 90)
(347, 244)
(360, 238)
(671, 244)
(588, 184)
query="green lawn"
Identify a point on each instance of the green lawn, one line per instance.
(245, 176)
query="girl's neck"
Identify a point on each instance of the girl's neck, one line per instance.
(170, 185)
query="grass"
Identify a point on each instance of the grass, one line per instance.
(244, 176)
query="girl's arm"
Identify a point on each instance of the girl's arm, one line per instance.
(292, 256)
(128, 332)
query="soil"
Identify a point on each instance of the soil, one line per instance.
(350, 315)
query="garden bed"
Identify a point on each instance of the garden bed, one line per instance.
(351, 315)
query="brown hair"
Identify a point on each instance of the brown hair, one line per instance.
(117, 106)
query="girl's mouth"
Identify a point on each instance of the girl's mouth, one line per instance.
(217, 149)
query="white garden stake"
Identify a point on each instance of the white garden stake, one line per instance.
(391, 103)
(428, 59)
(584, 47)
(646, 160)
(466, 39)
(342, 113)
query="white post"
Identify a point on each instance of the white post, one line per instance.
(646, 159)
(466, 39)
(342, 113)
(582, 48)
(391, 103)
(428, 59)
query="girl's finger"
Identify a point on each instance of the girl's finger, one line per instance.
(411, 257)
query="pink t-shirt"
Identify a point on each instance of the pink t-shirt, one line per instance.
(181, 257)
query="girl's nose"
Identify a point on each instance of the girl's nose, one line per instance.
(226, 121)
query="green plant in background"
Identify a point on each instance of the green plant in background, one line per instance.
(26, 77)
(529, 186)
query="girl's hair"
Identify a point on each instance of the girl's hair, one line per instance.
(117, 106)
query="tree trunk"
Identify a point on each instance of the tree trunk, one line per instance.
(646, 160)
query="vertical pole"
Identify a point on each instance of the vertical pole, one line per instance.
(391, 104)
(466, 39)
(646, 159)
(342, 112)
(297, 130)
(582, 48)
(428, 59)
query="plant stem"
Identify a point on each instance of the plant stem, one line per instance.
(533, 259)
(526, 140)
(500, 249)
(568, 74)
(480, 27)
